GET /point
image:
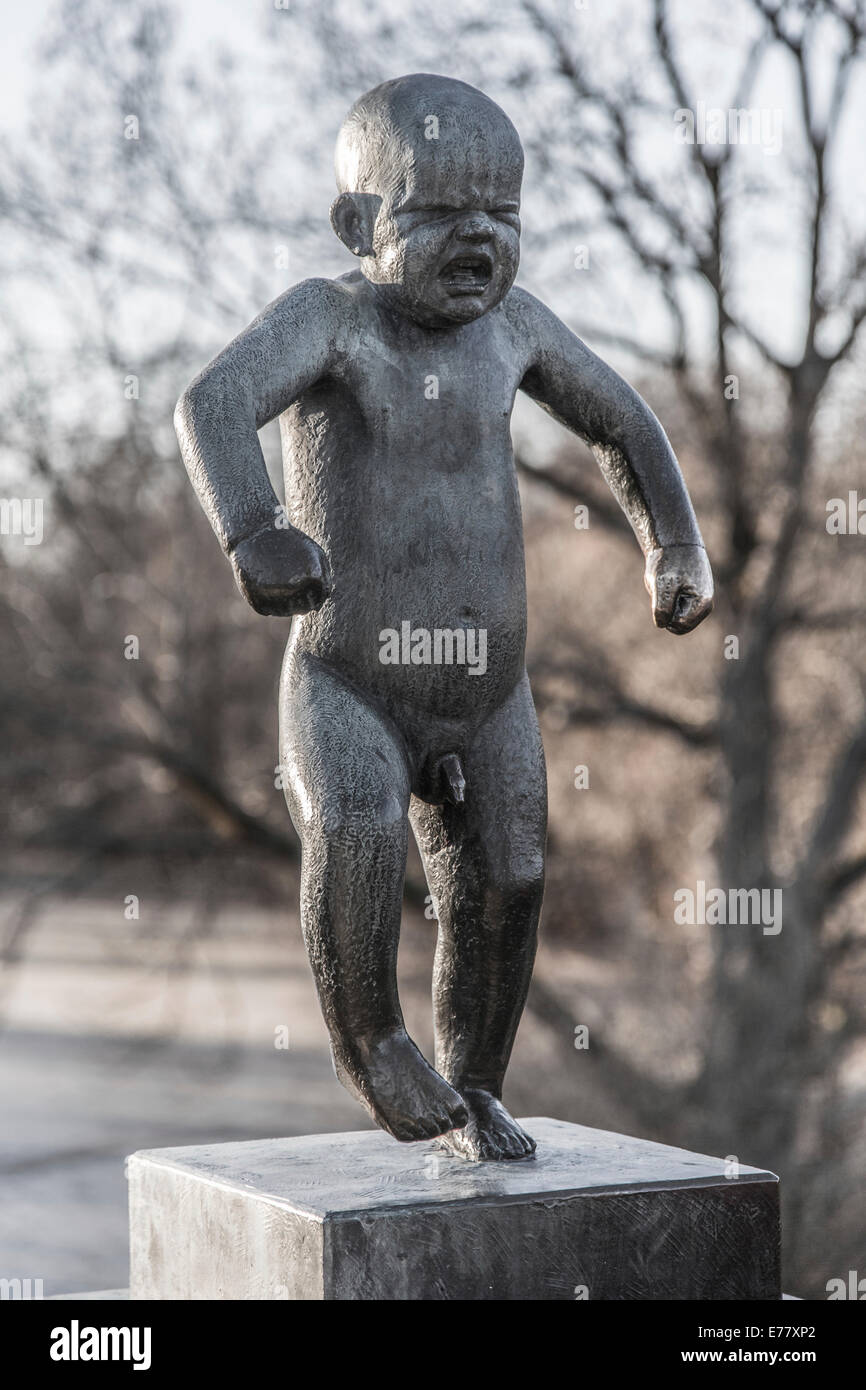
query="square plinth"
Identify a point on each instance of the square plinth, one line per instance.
(358, 1216)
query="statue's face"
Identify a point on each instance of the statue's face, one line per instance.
(446, 241)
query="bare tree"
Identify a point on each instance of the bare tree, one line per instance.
(154, 249)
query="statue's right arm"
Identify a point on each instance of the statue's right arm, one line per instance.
(292, 344)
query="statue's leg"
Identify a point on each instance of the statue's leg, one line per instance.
(347, 786)
(484, 861)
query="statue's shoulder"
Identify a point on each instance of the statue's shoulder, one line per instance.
(318, 297)
(523, 309)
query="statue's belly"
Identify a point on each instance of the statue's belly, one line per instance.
(429, 601)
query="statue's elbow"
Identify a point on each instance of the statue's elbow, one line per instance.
(181, 413)
(187, 411)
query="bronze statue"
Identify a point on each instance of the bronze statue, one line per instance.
(404, 696)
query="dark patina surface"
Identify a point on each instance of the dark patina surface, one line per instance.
(394, 385)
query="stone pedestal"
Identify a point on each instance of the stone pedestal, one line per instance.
(359, 1216)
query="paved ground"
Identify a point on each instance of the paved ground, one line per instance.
(75, 1106)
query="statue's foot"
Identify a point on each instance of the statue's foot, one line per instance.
(403, 1093)
(490, 1133)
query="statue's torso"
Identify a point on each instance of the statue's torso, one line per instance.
(400, 466)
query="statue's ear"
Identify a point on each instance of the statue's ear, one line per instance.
(353, 217)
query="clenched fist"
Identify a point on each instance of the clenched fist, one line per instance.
(680, 583)
(281, 572)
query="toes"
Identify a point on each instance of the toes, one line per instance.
(514, 1142)
(401, 1133)
(526, 1141)
(481, 1132)
(521, 1146)
(422, 1127)
(408, 1132)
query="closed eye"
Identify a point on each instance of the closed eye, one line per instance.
(441, 211)
(428, 212)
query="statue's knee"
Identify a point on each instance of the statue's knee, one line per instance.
(521, 879)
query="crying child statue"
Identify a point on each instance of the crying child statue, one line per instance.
(404, 697)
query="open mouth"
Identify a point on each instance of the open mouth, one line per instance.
(467, 274)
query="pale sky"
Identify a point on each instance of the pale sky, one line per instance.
(771, 265)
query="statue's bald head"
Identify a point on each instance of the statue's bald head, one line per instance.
(429, 172)
(419, 119)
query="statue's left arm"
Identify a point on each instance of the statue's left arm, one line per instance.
(635, 457)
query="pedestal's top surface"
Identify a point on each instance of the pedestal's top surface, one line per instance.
(333, 1175)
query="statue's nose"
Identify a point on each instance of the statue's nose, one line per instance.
(476, 227)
